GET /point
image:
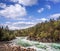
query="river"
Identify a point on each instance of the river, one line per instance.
(39, 46)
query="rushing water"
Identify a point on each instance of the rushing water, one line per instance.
(39, 46)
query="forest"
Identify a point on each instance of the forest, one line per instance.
(48, 31)
(6, 34)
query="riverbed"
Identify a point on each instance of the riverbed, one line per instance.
(39, 46)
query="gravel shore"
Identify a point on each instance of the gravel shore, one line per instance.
(5, 46)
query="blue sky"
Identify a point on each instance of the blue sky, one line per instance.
(21, 14)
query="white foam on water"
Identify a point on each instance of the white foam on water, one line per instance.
(39, 46)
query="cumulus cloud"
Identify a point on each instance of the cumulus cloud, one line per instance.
(13, 11)
(26, 2)
(2, 5)
(40, 10)
(48, 6)
(55, 15)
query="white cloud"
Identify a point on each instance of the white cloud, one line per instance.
(40, 10)
(48, 6)
(2, 5)
(23, 24)
(26, 2)
(20, 18)
(13, 11)
(55, 15)
(19, 25)
(42, 19)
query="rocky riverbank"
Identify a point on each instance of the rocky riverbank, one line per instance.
(45, 40)
(11, 47)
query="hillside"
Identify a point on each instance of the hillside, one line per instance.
(48, 31)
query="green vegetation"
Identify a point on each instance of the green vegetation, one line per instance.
(6, 34)
(48, 31)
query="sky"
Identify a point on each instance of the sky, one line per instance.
(21, 14)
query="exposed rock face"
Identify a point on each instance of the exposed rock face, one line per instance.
(7, 47)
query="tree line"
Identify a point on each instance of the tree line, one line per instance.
(48, 31)
(6, 34)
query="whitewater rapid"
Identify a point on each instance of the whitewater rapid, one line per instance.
(39, 46)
